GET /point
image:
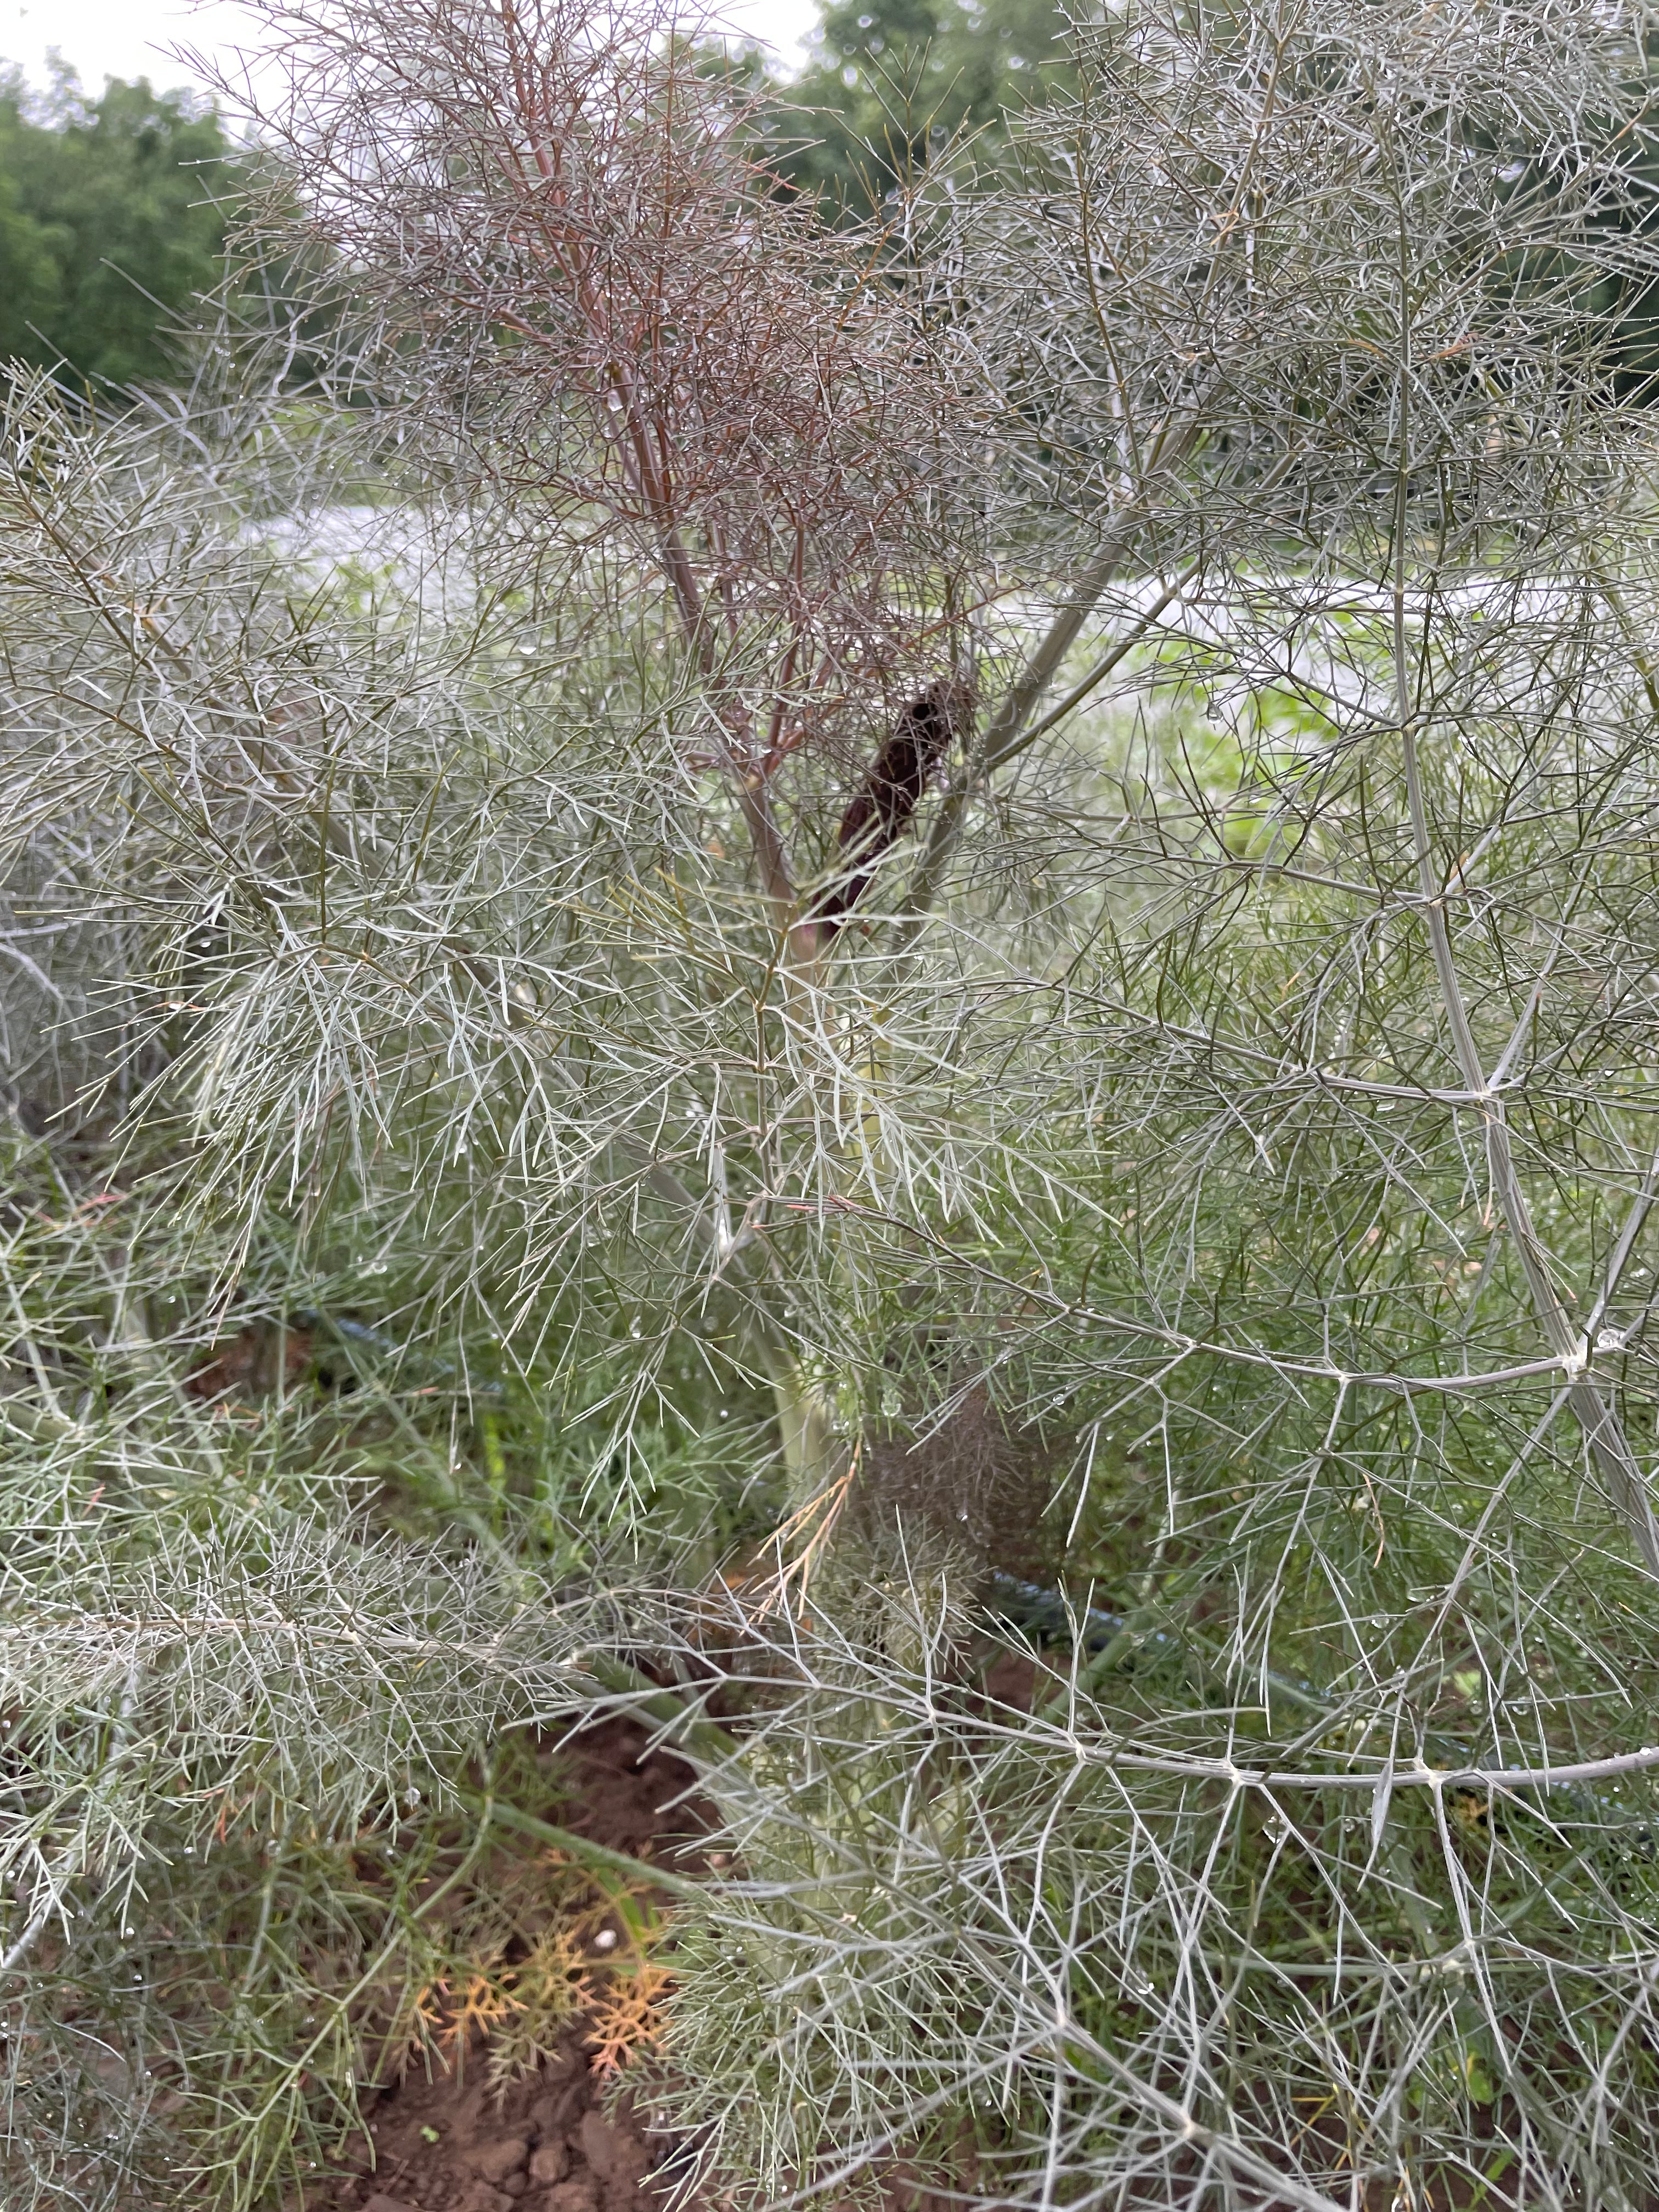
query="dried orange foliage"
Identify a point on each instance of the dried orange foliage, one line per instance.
(543, 1993)
(521, 2009)
(484, 2001)
(630, 2015)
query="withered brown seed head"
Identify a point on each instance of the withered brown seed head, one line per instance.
(880, 810)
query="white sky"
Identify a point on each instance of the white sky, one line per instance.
(128, 38)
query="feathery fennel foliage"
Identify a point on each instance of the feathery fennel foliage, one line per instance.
(1209, 1161)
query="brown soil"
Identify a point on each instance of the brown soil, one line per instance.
(449, 2146)
(448, 2142)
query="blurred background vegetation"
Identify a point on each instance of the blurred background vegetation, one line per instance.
(112, 221)
(892, 82)
(114, 210)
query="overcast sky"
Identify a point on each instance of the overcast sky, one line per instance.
(129, 38)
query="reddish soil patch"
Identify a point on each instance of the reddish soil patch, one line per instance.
(442, 2146)
(449, 2144)
(622, 1793)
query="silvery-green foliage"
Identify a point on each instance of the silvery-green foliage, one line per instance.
(218, 1667)
(1223, 1129)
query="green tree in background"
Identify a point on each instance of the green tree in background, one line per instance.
(892, 81)
(113, 218)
